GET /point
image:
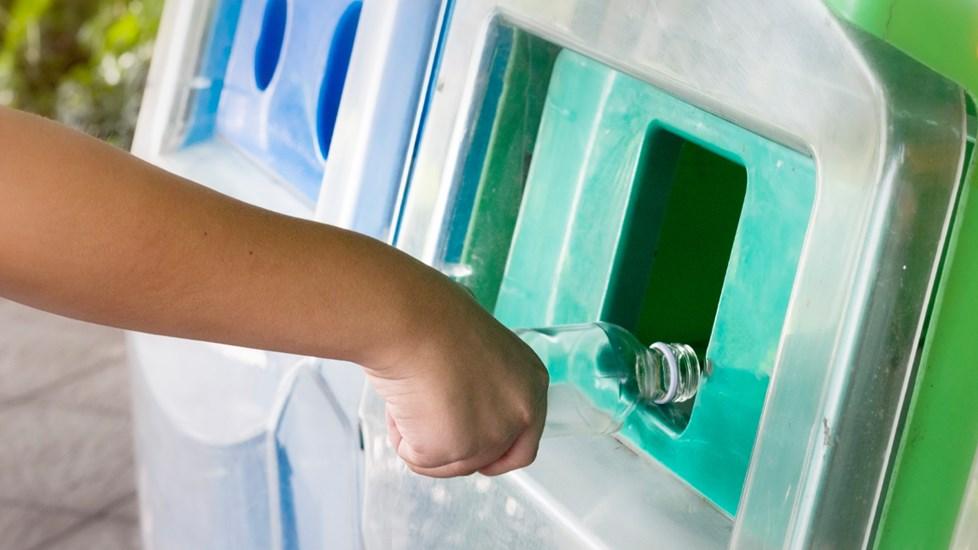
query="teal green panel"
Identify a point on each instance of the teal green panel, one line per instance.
(594, 175)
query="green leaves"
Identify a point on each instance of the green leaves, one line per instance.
(83, 62)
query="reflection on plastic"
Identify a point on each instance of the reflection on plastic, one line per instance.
(600, 373)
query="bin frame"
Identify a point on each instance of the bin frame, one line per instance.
(940, 437)
(887, 137)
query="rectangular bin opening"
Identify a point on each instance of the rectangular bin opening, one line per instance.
(678, 237)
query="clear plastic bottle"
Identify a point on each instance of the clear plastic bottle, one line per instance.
(600, 373)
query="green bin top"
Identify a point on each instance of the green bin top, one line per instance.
(942, 34)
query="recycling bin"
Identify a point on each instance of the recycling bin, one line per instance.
(309, 108)
(761, 181)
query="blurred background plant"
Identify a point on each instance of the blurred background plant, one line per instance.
(82, 62)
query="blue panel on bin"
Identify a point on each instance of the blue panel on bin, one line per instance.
(269, 83)
(380, 114)
(315, 465)
(284, 80)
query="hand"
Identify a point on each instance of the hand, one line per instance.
(467, 396)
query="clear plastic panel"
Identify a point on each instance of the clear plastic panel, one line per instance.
(201, 438)
(583, 491)
(317, 451)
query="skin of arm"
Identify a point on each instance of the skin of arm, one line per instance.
(91, 232)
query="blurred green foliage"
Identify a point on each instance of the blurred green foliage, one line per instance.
(83, 62)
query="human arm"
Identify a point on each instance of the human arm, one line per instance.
(91, 232)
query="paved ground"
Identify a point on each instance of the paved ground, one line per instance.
(66, 466)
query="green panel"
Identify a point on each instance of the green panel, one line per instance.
(942, 34)
(507, 160)
(612, 158)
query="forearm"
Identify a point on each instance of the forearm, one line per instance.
(91, 232)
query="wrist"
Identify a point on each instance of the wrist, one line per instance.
(421, 306)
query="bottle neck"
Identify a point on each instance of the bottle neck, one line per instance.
(667, 373)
